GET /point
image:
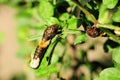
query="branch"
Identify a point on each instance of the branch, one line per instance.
(112, 36)
(108, 26)
(90, 16)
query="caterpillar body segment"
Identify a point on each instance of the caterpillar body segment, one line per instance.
(43, 44)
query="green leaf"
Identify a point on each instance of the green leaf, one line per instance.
(46, 9)
(51, 21)
(64, 16)
(116, 16)
(104, 15)
(54, 58)
(116, 54)
(2, 37)
(80, 39)
(45, 71)
(52, 68)
(110, 3)
(42, 73)
(72, 23)
(116, 57)
(110, 74)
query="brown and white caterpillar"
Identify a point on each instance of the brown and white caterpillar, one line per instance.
(49, 33)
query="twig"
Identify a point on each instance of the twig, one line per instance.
(112, 27)
(88, 14)
(112, 36)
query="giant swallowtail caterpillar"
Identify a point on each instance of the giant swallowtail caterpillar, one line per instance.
(43, 44)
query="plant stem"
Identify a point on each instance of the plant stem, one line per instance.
(88, 14)
(112, 27)
(112, 36)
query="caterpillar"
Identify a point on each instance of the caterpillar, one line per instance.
(43, 44)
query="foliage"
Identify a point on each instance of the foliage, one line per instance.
(99, 16)
(2, 37)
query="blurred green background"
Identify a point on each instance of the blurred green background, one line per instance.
(11, 67)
